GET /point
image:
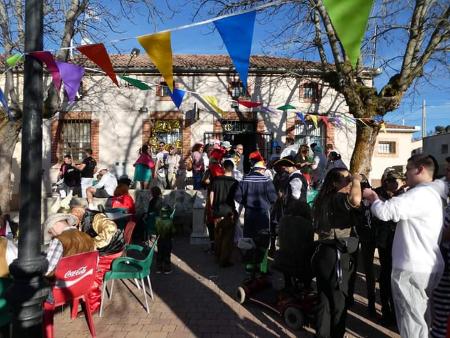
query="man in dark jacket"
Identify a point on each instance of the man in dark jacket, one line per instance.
(256, 193)
(223, 210)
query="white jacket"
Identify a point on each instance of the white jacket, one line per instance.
(419, 213)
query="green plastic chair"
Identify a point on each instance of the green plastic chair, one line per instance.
(5, 315)
(131, 268)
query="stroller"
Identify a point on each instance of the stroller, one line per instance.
(295, 304)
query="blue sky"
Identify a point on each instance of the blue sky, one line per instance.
(203, 40)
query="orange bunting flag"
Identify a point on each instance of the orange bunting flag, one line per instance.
(97, 53)
(159, 49)
(314, 119)
(212, 101)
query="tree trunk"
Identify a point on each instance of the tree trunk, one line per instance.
(9, 134)
(366, 137)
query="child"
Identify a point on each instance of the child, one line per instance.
(165, 230)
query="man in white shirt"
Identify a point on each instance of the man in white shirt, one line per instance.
(297, 186)
(417, 262)
(103, 189)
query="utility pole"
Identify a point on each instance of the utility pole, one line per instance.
(424, 119)
(29, 289)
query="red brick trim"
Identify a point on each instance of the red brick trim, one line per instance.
(330, 137)
(146, 131)
(56, 129)
(167, 115)
(186, 138)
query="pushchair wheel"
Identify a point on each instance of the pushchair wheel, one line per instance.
(293, 318)
(240, 295)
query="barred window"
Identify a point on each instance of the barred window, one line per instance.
(310, 92)
(236, 90)
(163, 90)
(310, 134)
(386, 147)
(75, 137)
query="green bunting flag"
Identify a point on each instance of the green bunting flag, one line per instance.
(286, 107)
(135, 82)
(349, 19)
(13, 60)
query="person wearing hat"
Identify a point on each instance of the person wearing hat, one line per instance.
(103, 189)
(256, 193)
(165, 230)
(64, 239)
(297, 186)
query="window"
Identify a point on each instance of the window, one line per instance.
(75, 137)
(310, 134)
(310, 92)
(163, 90)
(236, 90)
(167, 131)
(444, 148)
(386, 147)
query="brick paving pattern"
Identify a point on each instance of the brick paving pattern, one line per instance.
(196, 300)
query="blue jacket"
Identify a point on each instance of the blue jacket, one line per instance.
(256, 191)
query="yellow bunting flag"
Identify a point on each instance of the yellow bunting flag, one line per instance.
(383, 127)
(212, 101)
(314, 119)
(159, 49)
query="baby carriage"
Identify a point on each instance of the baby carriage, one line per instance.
(295, 304)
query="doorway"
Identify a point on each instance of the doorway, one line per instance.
(248, 140)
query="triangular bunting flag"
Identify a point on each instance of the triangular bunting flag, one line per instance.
(159, 49)
(237, 35)
(301, 117)
(337, 121)
(314, 119)
(212, 101)
(286, 107)
(3, 101)
(177, 96)
(97, 53)
(349, 19)
(13, 60)
(135, 82)
(71, 76)
(49, 61)
(268, 110)
(383, 127)
(325, 120)
(249, 104)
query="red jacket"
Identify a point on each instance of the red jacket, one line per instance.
(124, 201)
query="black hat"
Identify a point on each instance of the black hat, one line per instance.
(287, 161)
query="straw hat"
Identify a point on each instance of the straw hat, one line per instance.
(53, 219)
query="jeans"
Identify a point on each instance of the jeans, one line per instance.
(411, 292)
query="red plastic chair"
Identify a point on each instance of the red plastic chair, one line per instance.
(129, 228)
(74, 277)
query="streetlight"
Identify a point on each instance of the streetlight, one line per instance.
(29, 289)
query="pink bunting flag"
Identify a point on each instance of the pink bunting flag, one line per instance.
(71, 76)
(49, 61)
(97, 53)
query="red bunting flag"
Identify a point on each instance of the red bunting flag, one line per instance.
(97, 53)
(249, 104)
(325, 120)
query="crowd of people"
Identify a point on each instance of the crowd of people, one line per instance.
(319, 219)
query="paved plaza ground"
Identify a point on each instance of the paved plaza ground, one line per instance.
(197, 300)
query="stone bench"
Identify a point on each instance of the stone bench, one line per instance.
(189, 214)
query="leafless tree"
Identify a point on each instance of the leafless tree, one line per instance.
(407, 40)
(64, 20)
